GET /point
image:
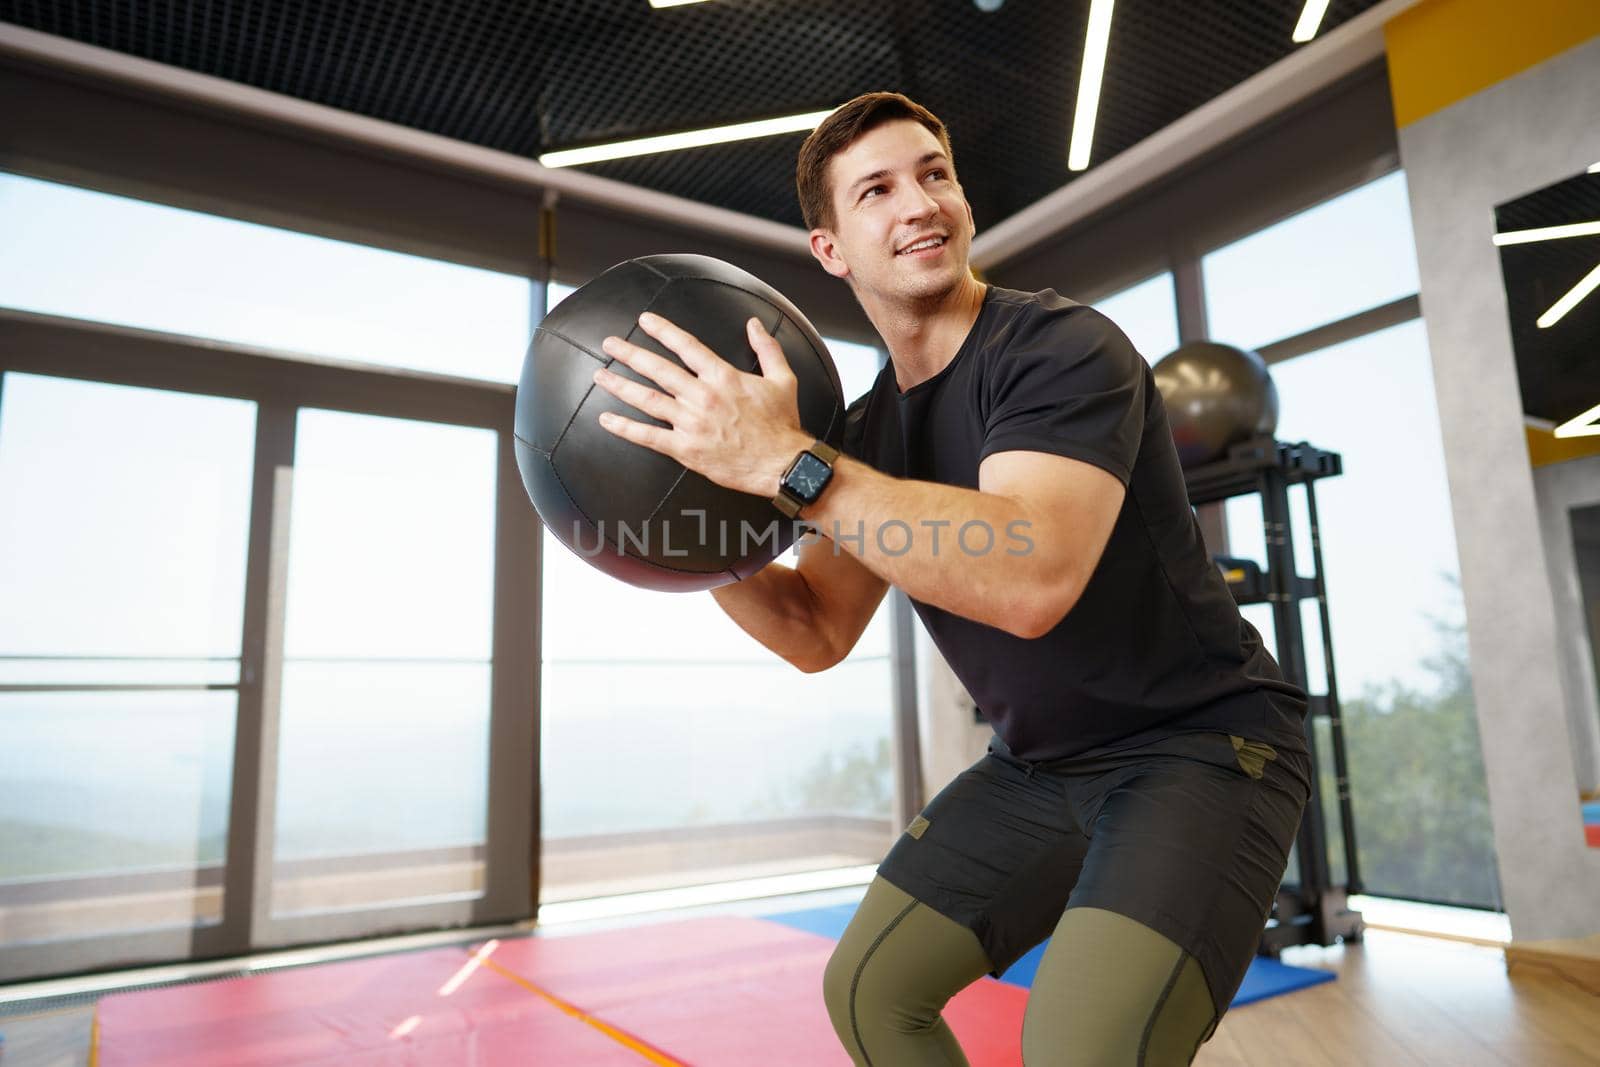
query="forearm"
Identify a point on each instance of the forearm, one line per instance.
(973, 553)
(775, 606)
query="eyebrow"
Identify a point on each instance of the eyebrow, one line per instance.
(877, 174)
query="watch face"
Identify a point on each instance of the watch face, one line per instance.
(808, 477)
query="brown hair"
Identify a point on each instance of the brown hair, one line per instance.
(839, 131)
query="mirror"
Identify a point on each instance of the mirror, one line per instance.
(1549, 243)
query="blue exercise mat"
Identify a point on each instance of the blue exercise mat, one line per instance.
(1265, 978)
(1591, 812)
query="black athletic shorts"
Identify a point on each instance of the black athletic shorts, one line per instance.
(1189, 835)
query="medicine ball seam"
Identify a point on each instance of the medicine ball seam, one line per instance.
(658, 272)
(682, 474)
(617, 544)
(556, 474)
(735, 288)
(581, 400)
(622, 550)
(531, 446)
(602, 360)
(783, 312)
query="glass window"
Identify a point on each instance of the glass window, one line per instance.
(1388, 542)
(162, 268)
(858, 366)
(1147, 313)
(1352, 253)
(383, 750)
(663, 721)
(122, 562)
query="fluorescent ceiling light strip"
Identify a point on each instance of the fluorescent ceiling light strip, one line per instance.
(674, 3)
(1548, 233)
(1585, 425)
(676, 142)
(1310, 20)
(1594, 168)
(1589, 284)
(1089, 81)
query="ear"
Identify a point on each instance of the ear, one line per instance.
(826, 251)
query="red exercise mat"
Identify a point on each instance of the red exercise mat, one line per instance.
(376, 1012)
(726, 992)
(733, 992)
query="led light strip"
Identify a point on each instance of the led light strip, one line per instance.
(1310, 20)
(676, 142)
(1089, 80)
(1559, 309)
(1585, 425)
(1547, 233)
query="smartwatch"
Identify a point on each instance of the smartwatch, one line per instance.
(806, 478)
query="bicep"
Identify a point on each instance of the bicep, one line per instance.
(845, 593)
(1071, 506)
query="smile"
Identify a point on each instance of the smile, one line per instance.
(927, 244)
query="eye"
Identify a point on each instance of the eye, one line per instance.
(937, 172)
(874, 189)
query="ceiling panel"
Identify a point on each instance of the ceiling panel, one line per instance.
(529, 77)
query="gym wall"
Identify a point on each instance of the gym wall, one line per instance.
(1491, 103)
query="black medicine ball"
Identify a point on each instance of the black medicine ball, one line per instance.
(626, 509)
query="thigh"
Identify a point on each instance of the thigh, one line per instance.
(1111, 992)
(997, 851)
(1193, 848)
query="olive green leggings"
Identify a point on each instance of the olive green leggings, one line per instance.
(1109, 992)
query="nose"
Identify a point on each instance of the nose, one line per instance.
(915, 203)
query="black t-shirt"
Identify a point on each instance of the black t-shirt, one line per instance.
(1155, 645)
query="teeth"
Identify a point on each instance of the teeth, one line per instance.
(932, 242)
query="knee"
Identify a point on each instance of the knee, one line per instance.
(863, 999)
(836, 980)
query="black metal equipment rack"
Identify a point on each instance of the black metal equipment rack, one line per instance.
(1314, 911)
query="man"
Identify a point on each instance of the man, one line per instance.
(1149, 769)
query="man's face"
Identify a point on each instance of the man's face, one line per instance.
(902, 228)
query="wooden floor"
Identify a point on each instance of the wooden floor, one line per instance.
(1400, 1000)
(1403, 1000)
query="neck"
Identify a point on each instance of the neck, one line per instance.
(923, 337)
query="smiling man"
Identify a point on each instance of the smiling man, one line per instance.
(1012, 470)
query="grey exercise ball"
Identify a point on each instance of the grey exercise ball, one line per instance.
(625, 509)
(1216, 396)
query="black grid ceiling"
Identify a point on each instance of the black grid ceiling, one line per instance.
(529, 77)
(1558, 368)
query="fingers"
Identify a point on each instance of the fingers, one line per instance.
(685, 345)
(651, 437)
(659, 369)
(769, 353)
(650, 401)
